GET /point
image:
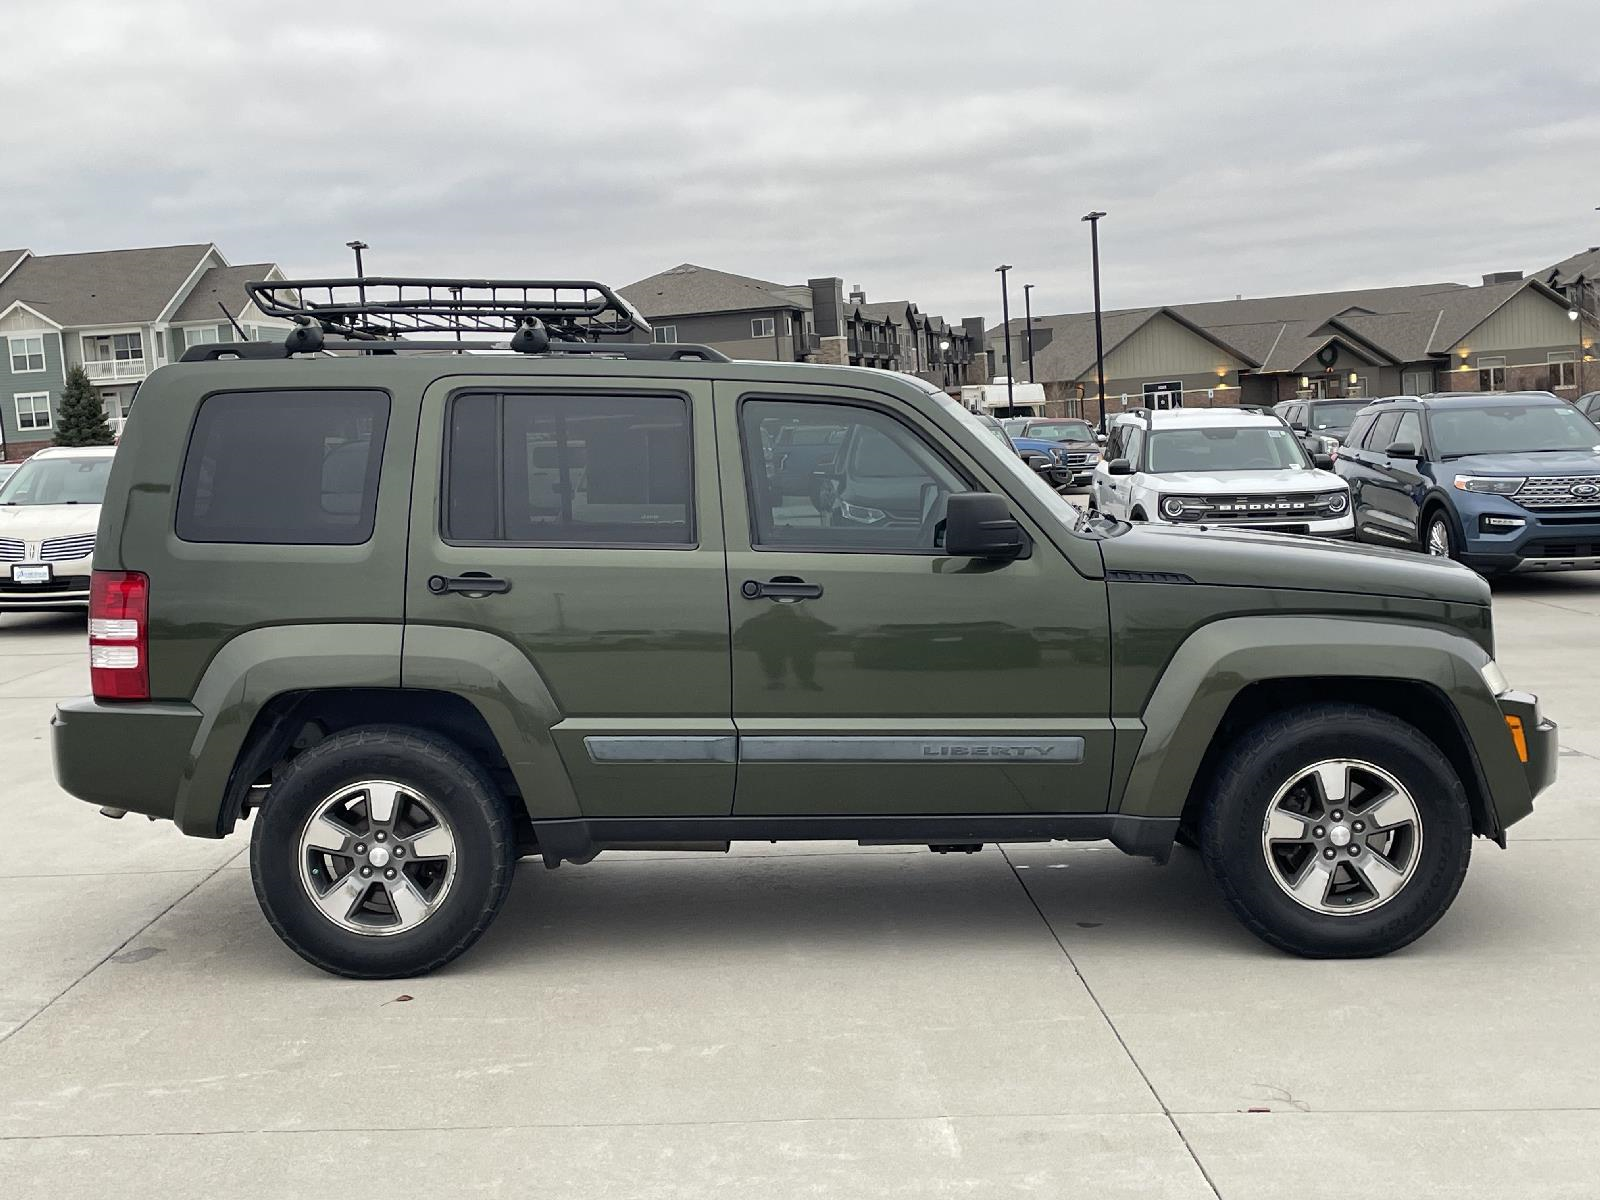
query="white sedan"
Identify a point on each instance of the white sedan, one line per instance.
(49, 510)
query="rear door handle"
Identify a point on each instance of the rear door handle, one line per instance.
(784, 587)
(473, 583)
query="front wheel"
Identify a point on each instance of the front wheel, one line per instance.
(381, 853)
(1337, 831)
(1438, 539)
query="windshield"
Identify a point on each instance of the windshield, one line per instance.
(1059, 431)
(1251, 448)
(58, 481)
(1335, 417)
(1510, 429)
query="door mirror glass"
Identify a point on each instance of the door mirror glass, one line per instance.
(1299, 427)
(1322, 461)
(1101, 438)
(980, 525)
(1119, 466)
(1401, 450)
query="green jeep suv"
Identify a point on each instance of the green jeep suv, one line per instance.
(426, 608)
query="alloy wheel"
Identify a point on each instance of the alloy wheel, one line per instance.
(1439, 538)
(1342, 837)
(377, 858)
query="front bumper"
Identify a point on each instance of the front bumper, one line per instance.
(1539, 735)
(1547, 539)
(1342, 526)
(67, 589)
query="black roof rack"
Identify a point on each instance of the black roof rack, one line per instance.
(632, 351)
(384, 306)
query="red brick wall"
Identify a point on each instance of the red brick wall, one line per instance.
(17, 451)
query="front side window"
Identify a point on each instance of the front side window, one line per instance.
(1510, 429)
(1491, 374)
(1409, 431)
(33, 410)
(1225, 448)
(883, 488)
(27, 354)
(763, 327)
(1135, 444)
(553, 470)
(295, 468)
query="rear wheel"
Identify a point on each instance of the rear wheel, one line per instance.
(1336, 831)
(382, 852)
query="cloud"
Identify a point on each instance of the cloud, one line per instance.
(1240, 147)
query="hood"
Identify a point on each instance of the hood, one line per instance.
(1250, 483)
(1554, 462)
(35, 522)
(1240, 557)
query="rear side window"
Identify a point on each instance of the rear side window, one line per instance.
(550, 470)
(295, 468)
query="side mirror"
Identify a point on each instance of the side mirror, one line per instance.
(980, 525)
(1101, 438)
(1300, 429)
(1401, 450)
(1322, 462)
(1119, 466)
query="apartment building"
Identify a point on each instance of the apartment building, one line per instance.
(119, 314)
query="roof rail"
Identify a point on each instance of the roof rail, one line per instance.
(533, 311)
(631, 351)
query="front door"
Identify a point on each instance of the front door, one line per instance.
(872, 674)
(1393, 494)
(578, 523)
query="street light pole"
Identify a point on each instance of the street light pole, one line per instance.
(1099, 335)
(1575, 315)
(1005, 324)
(1027, 309)
(358, 246)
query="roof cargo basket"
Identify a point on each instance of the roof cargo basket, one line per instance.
(383, 314)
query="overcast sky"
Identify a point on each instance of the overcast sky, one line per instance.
(1239, 147)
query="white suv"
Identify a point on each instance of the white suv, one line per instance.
(1217, 466)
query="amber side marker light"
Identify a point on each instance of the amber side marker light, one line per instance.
(1518, 738)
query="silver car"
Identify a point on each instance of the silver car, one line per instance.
(49, 510)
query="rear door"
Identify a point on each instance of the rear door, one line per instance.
(872, 674)
(578, 520)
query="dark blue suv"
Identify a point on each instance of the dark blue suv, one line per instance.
(1501, 482)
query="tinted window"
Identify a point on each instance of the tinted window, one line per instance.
(569, 470)
(1510, 429)
(1134, 441)
(284, 468)
(1382, 435)
(1358, 430)
(885, 490)
(1409, 430)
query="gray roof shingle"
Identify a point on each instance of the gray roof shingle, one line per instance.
(103, 287)
(687, 289)
(223, 285)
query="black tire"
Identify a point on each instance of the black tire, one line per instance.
(1267, 757)
(454, 782)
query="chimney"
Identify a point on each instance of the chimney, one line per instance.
(1501, 277)
(857, 296)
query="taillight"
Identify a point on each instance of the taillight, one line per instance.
(119, 635)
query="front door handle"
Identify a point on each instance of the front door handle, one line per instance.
(473, 583)
(784, 587)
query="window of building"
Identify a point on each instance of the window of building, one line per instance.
(33, 410)
(665, 334)
(113, 347)
(763, 327)
(1416, 383)
(284, 468)
(27, 354)
(1491, 374)
(589, 470)
(876, 486)
(1563, 368)
(201, 335)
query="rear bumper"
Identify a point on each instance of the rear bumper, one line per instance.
(128, 756)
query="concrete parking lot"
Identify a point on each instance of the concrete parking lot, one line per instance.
(799, 1020)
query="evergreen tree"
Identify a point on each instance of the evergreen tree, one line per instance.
(80, 419)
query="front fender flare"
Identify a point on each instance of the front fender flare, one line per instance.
(1219, 660)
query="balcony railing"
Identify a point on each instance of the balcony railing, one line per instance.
(121, 368)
